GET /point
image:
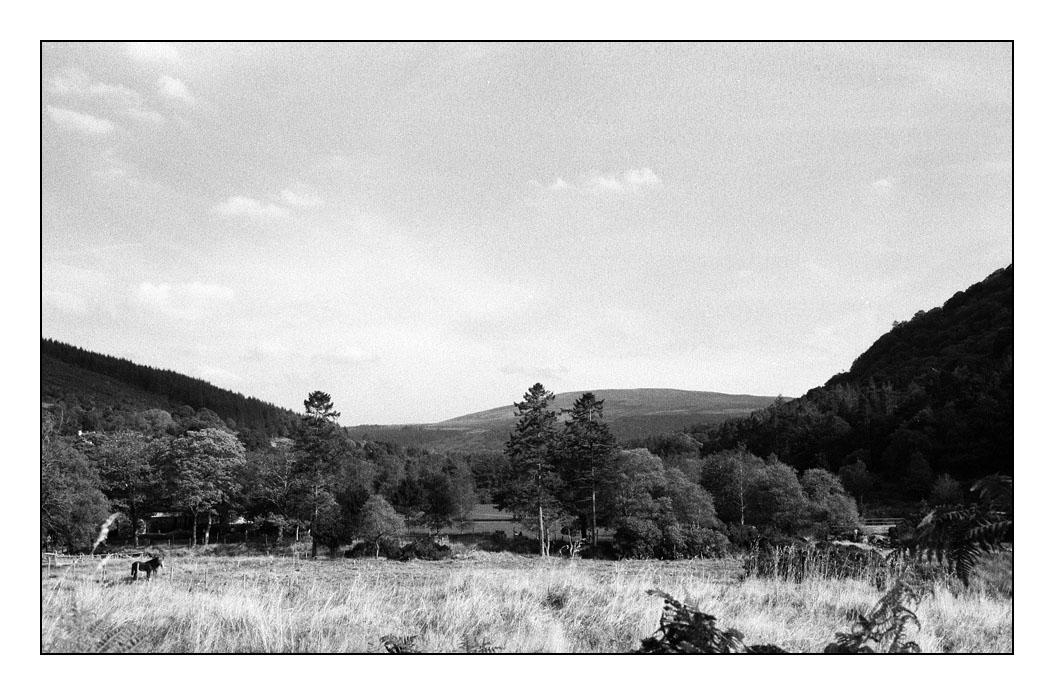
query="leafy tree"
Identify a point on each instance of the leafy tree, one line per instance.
(72, 508)
(637, 538)
(533, 485)
(267, 487)
(856, 480)
(126, 463)
(726, 476)
(338, 523)
(587, 449)
(378, 521)
(827, 501)
(627, 489)
(317, 452)
(198, 469)
(448, 497)
(773, 497)
(156, 422)
(688, 503)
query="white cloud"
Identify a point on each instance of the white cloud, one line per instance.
(883, 187)
(242, 206)
(641, 177)
(72, 80)
(301, 199)
(596, 183)
(174, 88)
(152, 51)
(78, 122)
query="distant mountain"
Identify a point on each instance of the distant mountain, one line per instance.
(933, 395)
(630, 413)
(91, 391)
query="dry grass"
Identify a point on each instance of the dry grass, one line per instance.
(214, 603)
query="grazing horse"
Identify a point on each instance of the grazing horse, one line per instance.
(149, 566)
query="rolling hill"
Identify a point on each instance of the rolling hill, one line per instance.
(630, 413)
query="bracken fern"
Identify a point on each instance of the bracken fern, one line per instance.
(884, 628)
(959, 535)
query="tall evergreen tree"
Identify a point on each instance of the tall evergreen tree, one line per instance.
(587, 449)
(317, 450)
(534, 484)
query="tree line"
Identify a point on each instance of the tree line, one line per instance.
(316, 480)
(561, 475)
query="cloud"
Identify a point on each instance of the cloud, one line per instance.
(174, 88)
(883, 186)
(72, 80)
(185, 301)
(152, 51)
(242, 206)
(617, 182)
(303, 199)
(641, 177)
(82, 123)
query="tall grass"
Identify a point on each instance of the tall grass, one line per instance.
(478, 602)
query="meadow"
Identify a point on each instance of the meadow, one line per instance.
(221, 600)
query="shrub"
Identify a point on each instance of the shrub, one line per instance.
(637, 538)
(425, 549)
(706, 542)
(674, 545)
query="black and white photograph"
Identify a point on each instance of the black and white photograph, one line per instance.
(526, 347)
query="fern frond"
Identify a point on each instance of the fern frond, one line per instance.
(394, 644)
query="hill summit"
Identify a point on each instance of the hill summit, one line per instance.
(630, 413)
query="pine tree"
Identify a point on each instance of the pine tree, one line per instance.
(533, 483)
(316, 449)
(587, 449)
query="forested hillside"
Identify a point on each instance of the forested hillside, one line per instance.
(932, 396)
(94, 392)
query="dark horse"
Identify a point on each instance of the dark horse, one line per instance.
(149, 566)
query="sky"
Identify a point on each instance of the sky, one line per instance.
(426, 230)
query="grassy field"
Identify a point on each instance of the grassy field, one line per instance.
(211, 602)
